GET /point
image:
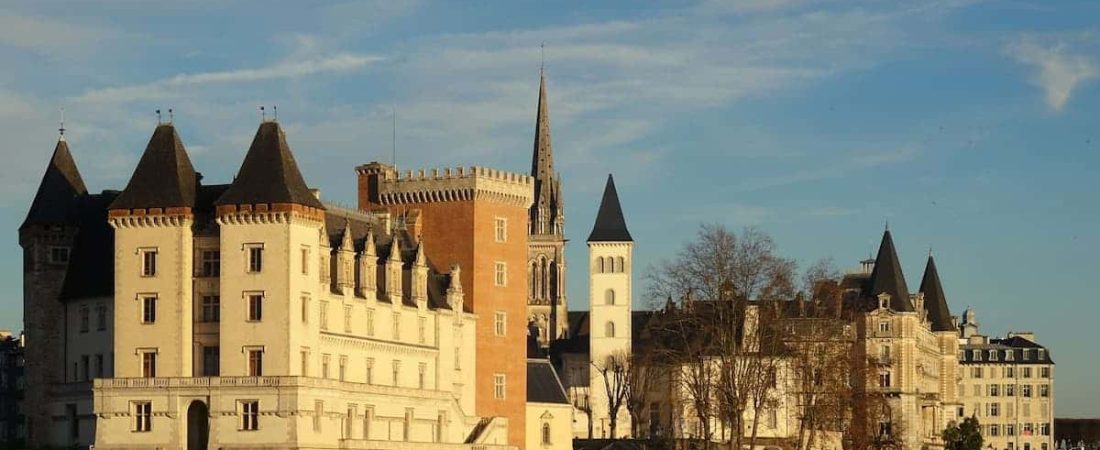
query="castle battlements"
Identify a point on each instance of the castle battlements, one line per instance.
(448, 184)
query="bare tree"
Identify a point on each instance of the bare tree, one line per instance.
(614, 371)
(641, 374)
(582, 402)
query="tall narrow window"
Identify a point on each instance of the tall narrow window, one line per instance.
(305, 362)
(884, 379)
(255, 307)
(211, 308)
(143, 416)
(370, 322)
(323, 317)
(59, 255)
(500, 323)
(343, 368)
(101, 317)
(85, 319)
(305, 260)
(211, 263)
(609, 297)
(85, 368)
(609, 329)
(211, 360)
(498, 386)
(600, 264)
(149, 364)
(500, 277)
(324, 365)
(148, 309)
(500, 229)
(396, 371)
(621, 264)
(305, 309)
(250, 415)
(256, 363)
(347, 319)
(370, 371)
(149, 263)
(546, 433)
(422, 373)
(255, 258)
(397, 326)
(99, 365)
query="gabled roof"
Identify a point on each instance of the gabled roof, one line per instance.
(269, 173)
(164, 176)
(934, 300)
(610, 225)
(887, 277)
(61, 184)
(543, 384)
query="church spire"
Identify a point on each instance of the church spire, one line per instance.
(547, 206)
(934, 300)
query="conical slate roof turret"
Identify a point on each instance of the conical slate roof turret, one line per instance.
(61, 184)
(269, 173)
(610, 225)
(164, 177)
(887, 277)
(934, 300)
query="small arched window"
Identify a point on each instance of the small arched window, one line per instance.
(609, 297)
(611, 262)
(622, 267)
(602, 269)
(609, 329)
(545, 434)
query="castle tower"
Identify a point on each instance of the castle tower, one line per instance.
(270, 223)
(610, 251)
(943, 327)
(153, 220)
(546, 302)
(475, 218)
(47, 236)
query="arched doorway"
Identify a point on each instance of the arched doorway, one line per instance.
(198, 425)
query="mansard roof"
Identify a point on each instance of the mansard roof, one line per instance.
(934, 300)
(887, 277)
(610, 225)
(543, 384)
(269, 173)
(61, 184)
(163, 178)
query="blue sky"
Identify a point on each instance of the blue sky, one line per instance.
(971, 126)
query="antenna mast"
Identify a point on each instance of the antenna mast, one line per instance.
(61, 130)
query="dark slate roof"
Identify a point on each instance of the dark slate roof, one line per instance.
(269, 173)
(55, 201)
(91, 271)
(1015, 345)
(610, 225)
(887, 277)
(934, 300)
(543, 384)
(164, 176)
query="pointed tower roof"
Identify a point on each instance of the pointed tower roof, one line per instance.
(610, 225)
(934, 300)
(547, 206)
(542, 160)
(887, 277)
(269, 173)
(61, 184)
(164, 176)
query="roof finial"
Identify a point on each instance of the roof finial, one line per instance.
(263, 115)
(275, 112)
(929, 250)
(159, 121)
(61, 130)
(542, 57)
(887, 224)
(171, 117)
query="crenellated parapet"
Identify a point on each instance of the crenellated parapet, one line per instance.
(267, 213)
(152, 217)
(386, 186)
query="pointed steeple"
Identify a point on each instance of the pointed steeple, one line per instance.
(934, 300)
(164, 177)
(60, 184)
(547, 206)
(887, 277)
(269, 173)
(610, 225)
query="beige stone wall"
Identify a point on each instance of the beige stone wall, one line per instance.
(559, 420)
(617, 282)
(1013, 411)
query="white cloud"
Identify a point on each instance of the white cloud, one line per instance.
(170, 86)
(47, 35)
(1057, 70)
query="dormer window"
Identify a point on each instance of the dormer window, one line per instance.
(1027, 354)
(976, 355)
(884, 301)
(993, 355)
(884, 327)
(1042, 353)
(1009, 355)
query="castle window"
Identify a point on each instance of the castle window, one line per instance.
(500, 229)
(370, 371)
(1044, 429)
(498, 386)
(994, 409)
(250, 415)
(1010, 430)
(211, 308)
(1026, 372)
(422, 373)
(1044, 390)
(255, 307)
(323, 316)
(499, 323)
(148, 308)
(325, 359)
(148, 262)
(305, 361)
(976, 355)
(992, 355)
(545, 433)
(1009, 355)
(1042, 353)
(211, 263)
(84, 319)
(976, 372)
(148, 363)
(621, 264)
(143, 416)
(600, 265)
(255, 257)
(347, 319)
(1044, 372)
(211, 361)
(884, 379)
(305, 308)
(342, 375)
(609, 297)
(305, 260)
(396, 371)
(500, 274)
(1025, 390)
(609, 329)
(1027, 354)
(884, 327)
(1010, 372)
(59, 255)
(101, 317)
(994, 390)
(256, 362)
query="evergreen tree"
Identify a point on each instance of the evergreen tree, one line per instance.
(963, 436)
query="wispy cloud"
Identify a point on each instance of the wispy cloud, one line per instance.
(50, 36)
(843, 167)
(1057, 70)
(168, 87)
